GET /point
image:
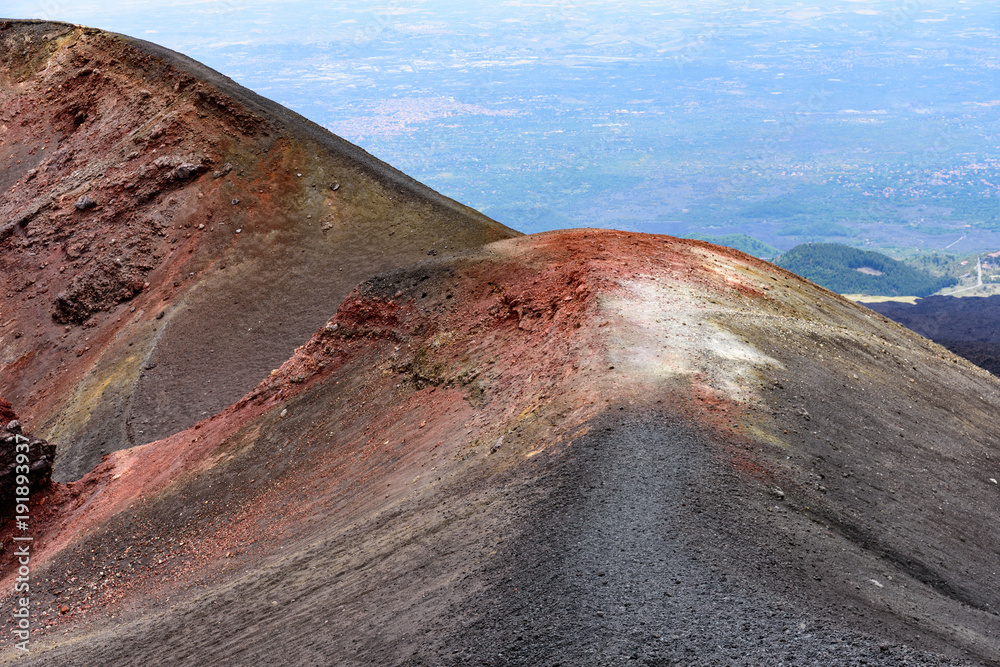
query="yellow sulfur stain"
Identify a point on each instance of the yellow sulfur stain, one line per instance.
(104, 381)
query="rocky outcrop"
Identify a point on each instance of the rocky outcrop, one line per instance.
(22, 458)
(7, 413)
(101, 286)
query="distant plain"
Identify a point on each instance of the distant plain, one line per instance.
(867, 123)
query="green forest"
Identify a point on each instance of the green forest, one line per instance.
(836, 267)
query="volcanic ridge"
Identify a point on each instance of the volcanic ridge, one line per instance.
(584, 447)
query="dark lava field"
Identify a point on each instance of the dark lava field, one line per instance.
(969, 326)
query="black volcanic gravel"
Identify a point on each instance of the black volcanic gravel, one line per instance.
(636, 545)
(621, 565)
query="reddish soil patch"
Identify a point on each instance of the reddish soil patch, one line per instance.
(7, 413)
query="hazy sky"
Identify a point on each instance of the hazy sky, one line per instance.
(185, 23)
(199, 27)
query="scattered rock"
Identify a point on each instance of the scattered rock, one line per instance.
(186, 171)
(226, 168)
(85, 203)
(7, 414)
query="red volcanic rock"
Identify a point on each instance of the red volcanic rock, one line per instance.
(7, 413)
(102, 286)
(123, 162)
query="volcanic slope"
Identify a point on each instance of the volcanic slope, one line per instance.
(578, 448)
(168, 237)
